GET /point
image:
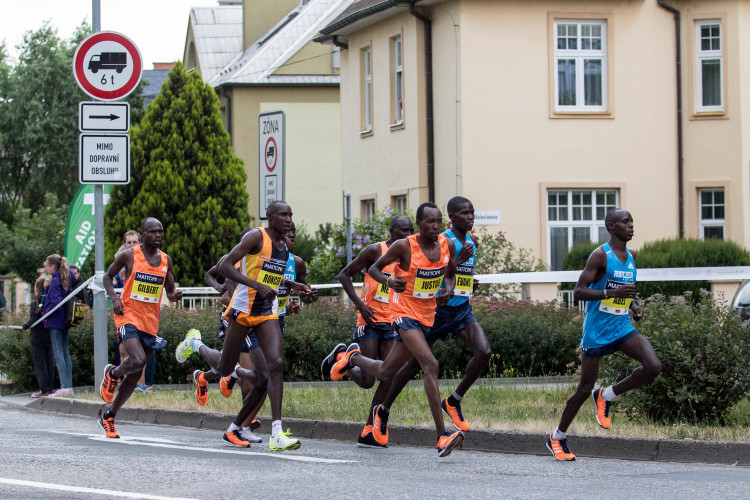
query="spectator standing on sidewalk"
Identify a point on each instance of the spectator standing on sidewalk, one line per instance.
(57, 289)
(41, 347)
(83, 295)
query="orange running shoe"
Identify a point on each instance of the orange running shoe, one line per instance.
(255, 424)
(602, 408)
(109, 384)
(367, 439)
(342, 366)
(380, 425)
(234, 438)
(108, 425)
(449, 442)
(201, 388)
(330, 360)
(560, 449)
(227, 385)
(457, 417)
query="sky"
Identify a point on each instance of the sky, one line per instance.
(157, 27)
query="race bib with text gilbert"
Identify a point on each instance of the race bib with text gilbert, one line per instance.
(383, 292)
(614, 305)
(147, 287)
(271, 274)
(464, 281)
(427, 282)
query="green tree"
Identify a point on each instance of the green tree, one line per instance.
(184, 173)
(33, 238)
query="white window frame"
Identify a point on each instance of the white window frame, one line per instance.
(714, 222)
(368, 212)
(594, 223)
(580, 55)
(398, 80)
(703, 55)
(400, 203)
(367, 55)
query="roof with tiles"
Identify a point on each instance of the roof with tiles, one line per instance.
(218, 36)
(258, 62)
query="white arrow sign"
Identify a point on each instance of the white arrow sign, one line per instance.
(103, 116)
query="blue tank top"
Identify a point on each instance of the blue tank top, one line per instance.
(284, 292)
(464, 272)
(608, 320)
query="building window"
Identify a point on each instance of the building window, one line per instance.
(709, 69)
(713, 209)
(366, 71)
(580, 65)
(368, 210)
(397, 81)
(576, 216)
(398, 203)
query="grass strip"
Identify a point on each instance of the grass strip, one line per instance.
(486, 406)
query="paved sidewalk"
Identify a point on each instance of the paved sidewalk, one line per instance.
(642, 449)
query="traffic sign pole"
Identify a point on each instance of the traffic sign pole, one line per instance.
(101, 347)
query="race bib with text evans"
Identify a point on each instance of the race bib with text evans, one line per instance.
(614, 305)
(147, 287)
(427, 282)
(464, 281)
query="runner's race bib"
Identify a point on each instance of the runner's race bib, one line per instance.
(284, 293)
(427, 282)
(464, 281)
(271, 274)
(383, 293)
(147, 287)
(614, 305)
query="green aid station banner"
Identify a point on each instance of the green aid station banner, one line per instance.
(79, 230)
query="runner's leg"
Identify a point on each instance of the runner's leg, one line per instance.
(130, 368)
(589, 372)
(473, 336)
(639, 348)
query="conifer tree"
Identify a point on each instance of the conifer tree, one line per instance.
(184, 173)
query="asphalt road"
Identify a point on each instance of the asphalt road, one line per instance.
(47, 455)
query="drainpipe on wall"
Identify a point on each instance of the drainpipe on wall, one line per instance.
(678, 62)
(338, 43)
(429, 111)
(229, 110)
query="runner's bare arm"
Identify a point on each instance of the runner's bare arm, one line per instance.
(363, 261)
(173, 294)
(449, 281)
(211, 276)
(400, 251)
(594, 271)
(302, 277)
(124, 258)
(251, 243)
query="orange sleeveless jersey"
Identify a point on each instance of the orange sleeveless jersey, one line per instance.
(267, 267)
(423, 280)
(376, 296)
(141, 294)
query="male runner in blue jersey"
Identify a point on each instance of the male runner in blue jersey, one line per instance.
(608, 285)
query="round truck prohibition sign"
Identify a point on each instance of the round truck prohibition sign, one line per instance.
(107, 65)
(271, 154)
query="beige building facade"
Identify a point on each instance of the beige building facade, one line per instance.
(259, 56)
(551, 113)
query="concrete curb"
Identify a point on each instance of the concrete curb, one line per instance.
(624, 448)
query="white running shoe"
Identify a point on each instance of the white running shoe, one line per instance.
(250, 436)
(184, 350)
(282, 441)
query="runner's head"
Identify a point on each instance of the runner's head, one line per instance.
(619, 224)
(429, 220)
(152, 232)
(291, 235)
(279, 215)
(401, 227)
(461, 213)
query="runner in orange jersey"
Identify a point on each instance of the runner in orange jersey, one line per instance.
(136, 315)
(424, 261)
(374, 332)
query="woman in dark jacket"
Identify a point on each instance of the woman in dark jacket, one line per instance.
(41, 347)
(57, 290)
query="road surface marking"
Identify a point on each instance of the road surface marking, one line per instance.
(80, 489)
